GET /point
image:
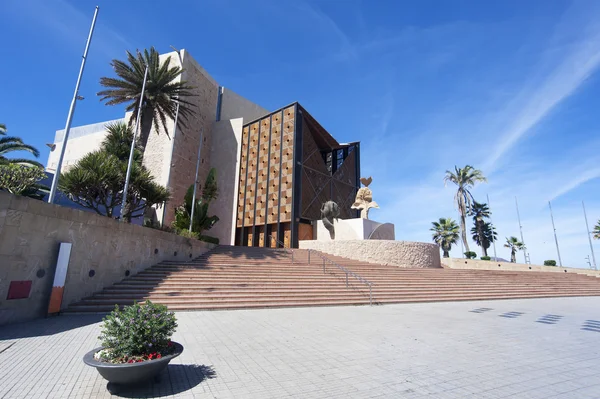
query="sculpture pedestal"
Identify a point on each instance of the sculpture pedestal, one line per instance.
(355, 229)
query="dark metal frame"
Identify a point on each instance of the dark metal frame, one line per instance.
(296, 177)
(280, 233)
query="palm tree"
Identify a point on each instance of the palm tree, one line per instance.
(11, 144)
(445, 233)
(465, 178)
(484, 236)
(596, 230)
(479, 212)
(161, 95)
(515, 245)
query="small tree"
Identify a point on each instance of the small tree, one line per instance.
(550, 262)
(96, 182)
(515, 245)
(470, 255)
(20, 179)
(596, 230)
(202, 221)
(445, 233)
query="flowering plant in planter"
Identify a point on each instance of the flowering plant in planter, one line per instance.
(138, 333)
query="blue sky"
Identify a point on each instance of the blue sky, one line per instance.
(510, 87)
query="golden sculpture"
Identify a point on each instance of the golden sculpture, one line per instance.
(364, 198)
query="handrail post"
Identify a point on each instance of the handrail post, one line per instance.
(292, 256)
(346, 279)
(309, 256)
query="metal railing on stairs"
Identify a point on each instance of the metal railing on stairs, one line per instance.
(288, 250)
(346, 271)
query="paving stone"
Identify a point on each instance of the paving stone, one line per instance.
(434, 350)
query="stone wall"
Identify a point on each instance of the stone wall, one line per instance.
(383, 252)
(30, 234)
(225, 155)
(477, 264)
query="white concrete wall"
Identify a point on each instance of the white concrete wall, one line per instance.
(225, 157)
(383, 252)
(348, 229)
(235, 106)
(82, 140)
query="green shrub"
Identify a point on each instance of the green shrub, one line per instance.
(486, 258)
(187, 234)
(212, 240)
(550, 262)
(470, 255)
(137, 333)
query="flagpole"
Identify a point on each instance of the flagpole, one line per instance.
(71, 112)
(555, 238)
(131, 151)
(587, 230)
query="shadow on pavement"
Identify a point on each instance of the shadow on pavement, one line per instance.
(177, 378)
(48, 326)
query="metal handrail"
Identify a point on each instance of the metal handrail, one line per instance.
(290, 251)
(348, 273)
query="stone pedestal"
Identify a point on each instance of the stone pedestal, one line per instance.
(355, 229)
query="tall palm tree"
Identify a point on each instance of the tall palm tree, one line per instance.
(12, 144)
(161, 95)
(465, 178)
(484, 236)
(480, 212)
(445, 233)
(596, 230)
(515, 245)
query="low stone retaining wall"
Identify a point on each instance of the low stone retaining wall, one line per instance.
(383, 252)
(477, 264)
(104, 251)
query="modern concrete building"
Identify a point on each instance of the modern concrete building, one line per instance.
(285, 156)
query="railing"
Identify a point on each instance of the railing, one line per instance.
(289, 251)
(348, 273)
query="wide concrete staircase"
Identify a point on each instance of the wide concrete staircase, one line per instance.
(240, 277)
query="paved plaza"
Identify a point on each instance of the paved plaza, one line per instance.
(533, 348)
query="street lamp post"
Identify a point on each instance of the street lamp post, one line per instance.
(76, 97)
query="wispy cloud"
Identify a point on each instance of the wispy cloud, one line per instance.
(347, 48)
(578, 62)
(72, 25)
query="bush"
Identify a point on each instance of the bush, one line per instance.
(212, 240)
(550, 262)
(137, 333)
(470, 255)
(187, 234)
(486, 258)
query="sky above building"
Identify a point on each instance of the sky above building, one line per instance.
(510, 87)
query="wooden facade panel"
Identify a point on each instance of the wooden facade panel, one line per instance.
(305, 231)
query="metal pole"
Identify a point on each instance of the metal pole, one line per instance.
(492, 223)
(196, 182)
(130, 162)
(71, 111)
(587, 230)
(521, 230)
(555, 238)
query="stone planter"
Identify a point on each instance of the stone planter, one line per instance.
(130, 373)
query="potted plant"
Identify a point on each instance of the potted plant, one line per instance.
(136, 344)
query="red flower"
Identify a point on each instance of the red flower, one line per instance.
(158, 356)
(150, 356)
(130, 361)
